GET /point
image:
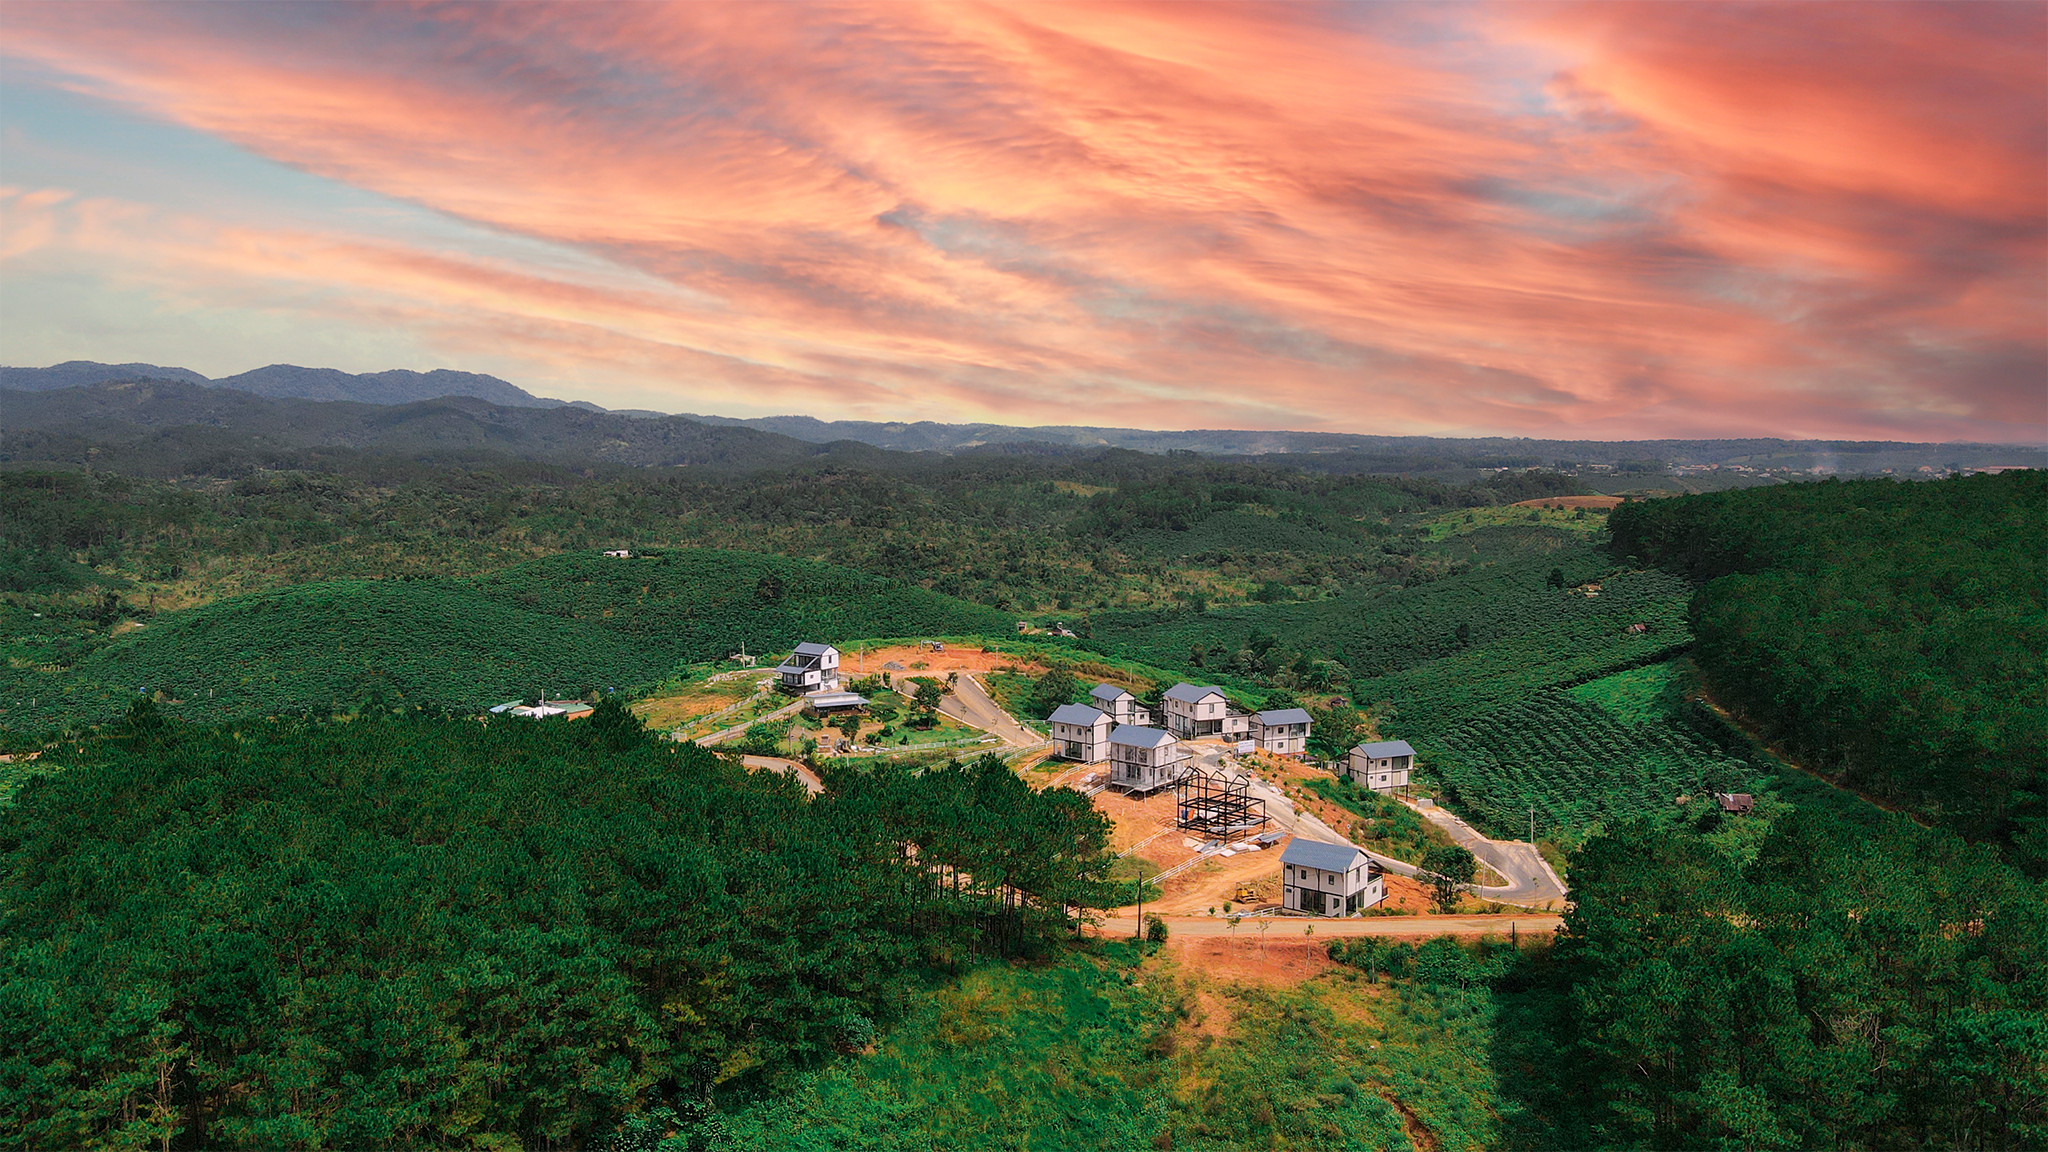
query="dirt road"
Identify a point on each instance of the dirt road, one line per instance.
(1292, 926)
(810, 780)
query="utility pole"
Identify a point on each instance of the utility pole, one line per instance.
(1532, 825)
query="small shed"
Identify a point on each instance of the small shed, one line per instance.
(833, 703)
(1735, 803)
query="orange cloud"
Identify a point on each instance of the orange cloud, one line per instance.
(1584, 220)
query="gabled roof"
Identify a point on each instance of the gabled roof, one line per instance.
(1384, 749)
(1108, 692)
(1284, 716)
(1188, 693)
(1316, 854)
(1080, 714)
(1139, 737)
(814, 649)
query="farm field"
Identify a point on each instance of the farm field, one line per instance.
(561, 625)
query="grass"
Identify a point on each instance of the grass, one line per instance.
(1386, 826)
(1468, 520)
(1095, 1051)
(1639, 695)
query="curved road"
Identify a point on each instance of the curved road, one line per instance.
(970, 704)
(1530, 881)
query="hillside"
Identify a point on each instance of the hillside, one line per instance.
(565, 624)
(289, 381)
(170, 428)
(1887, 635)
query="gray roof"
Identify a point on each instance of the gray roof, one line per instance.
(1139, 737)
(793, 668)
(1108, 692)
(1284, 716)
(1189, 693)
(1080, 714)
(835, 699)
(814, 649)
(1316, 854)
(1384, 749)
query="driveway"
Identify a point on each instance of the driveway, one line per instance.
(970, 703)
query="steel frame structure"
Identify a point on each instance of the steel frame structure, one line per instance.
(1217, 806)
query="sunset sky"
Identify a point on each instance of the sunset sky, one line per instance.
(1670, 219)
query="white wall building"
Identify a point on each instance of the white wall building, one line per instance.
(1193, 712)
(1329, 879)
(811, 668)
(1281, 730)
(1080, 733)
(1382, 767)
(1120, 706)
(1144, 759)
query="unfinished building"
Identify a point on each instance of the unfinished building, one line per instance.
(1218, 806)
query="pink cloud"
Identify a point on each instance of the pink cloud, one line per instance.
(1611, 220)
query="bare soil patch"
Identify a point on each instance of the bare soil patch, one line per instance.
(855, 663)
(1285, 957)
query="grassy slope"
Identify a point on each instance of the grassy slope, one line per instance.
(1090, 1053)
(565, 623)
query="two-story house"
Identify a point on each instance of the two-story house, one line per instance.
(1328, 879)
(1144, 759)
(811, 668)
(1281, 730)
(1120, 705)
(1193, 712)
(1080, 733)
(1382, 766)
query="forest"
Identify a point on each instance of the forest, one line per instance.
(407, 930)
(1887, 635)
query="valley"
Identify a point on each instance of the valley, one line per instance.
(225, 648)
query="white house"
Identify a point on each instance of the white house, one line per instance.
(1328, 879)
(1120, 705)
(1281, 730)
(1193, 712)
(1144, 759)
(1383, 766)
(1081, 733)
(811, 668)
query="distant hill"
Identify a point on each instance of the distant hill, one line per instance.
(170, 428)
(565, 623)
(1343, 451)
(79, 373)
(289, 381)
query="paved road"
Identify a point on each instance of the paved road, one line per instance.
(1530, 880)
(1285, 926)
(970, 703)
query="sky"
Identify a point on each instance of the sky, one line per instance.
(1583, 220)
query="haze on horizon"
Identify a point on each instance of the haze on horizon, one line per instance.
(1586, 221)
